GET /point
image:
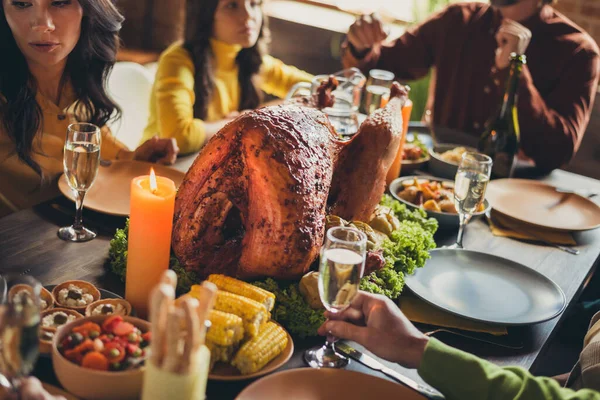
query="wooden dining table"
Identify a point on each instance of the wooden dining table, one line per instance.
(29, 245)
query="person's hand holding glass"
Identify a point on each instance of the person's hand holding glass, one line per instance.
(341, 267)
(470, 184)
(19, 324)
(81, 159)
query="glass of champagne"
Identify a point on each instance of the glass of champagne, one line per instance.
(81, 159)
(470, 183)
(377, 89)
(341, 266)
(19, 324)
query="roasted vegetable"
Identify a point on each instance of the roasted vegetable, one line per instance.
(374, 238)
(384, 220)
(309, 287)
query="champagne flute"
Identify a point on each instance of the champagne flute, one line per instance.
(19, 325)
(470, 184)
(341, 266)
(81, 159)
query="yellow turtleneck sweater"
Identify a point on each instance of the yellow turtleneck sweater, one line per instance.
(20, 186)
(172, 100)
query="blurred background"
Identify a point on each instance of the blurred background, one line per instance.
(308, 34)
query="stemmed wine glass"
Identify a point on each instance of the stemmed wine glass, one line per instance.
(81, 159)
(19, 324)
(341, 266)
(470, 184)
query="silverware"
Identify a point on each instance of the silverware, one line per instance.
(537, 237)
(581, 192)
(500, 341)
(377, 366)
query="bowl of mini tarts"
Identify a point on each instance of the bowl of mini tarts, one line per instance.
(46, 298)
(50, 321)
(78, 295)
(108, 307)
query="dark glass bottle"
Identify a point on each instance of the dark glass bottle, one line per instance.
(500, 139)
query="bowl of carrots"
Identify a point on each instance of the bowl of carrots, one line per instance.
(102, 357)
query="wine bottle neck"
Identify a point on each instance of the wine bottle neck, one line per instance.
(512, 84)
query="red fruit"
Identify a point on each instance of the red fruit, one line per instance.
(123, 329)
(147, 336)
(114, 352)
(109, 323)
(131, 348)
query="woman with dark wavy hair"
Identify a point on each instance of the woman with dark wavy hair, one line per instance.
(56, 56)
(220, 69)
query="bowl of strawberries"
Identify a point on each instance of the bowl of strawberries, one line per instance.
(102, 357)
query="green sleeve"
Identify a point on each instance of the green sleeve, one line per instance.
(459, 376)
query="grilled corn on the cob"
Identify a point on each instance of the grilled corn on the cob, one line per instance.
(256, 353)
(253, 313)
(241, 288)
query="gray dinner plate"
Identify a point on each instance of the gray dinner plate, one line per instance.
(486, 288)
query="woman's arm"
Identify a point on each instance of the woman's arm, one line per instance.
(278, 78)
(459, 375)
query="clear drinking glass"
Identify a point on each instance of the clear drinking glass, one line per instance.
(19, 324)
(341, 266)
(378, 87)
(470, 184)
(81, 159)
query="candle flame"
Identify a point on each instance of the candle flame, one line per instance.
(153, 184)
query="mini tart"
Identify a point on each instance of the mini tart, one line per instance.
(44, 294)
(93, 290)
(46, 340)
(67, 311)
(112, 302)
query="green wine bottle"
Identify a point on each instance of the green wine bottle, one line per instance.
(500, 138)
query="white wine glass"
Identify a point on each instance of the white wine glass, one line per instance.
(19, 328)
(341, 266)
(470, 184)
(81, 159)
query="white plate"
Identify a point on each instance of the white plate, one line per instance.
(486, 288)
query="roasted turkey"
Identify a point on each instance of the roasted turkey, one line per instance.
(254, 202)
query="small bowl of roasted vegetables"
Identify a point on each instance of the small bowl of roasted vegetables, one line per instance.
(434, 195)
(414, 156)
(445, 159)
(102, 357)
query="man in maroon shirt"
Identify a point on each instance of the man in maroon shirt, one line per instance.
(468, 46)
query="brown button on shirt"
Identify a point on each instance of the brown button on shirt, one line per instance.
(558, 85)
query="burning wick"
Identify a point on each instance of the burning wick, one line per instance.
(153, 185)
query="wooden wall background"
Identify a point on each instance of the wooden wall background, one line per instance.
(151, 25)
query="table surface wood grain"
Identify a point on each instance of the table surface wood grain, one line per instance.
(29, 245)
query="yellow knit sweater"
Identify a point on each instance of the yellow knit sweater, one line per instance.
(172, 100)
(20, 186)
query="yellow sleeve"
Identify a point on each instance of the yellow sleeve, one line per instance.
(174, 95)
(111, 148)
(278, 78)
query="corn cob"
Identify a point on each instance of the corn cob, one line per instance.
(219, 353)
(256, 353)
(253, 313)
(225, 329)
(241, 288)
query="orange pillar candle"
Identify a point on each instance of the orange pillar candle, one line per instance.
(149, 244)
(394, 170)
